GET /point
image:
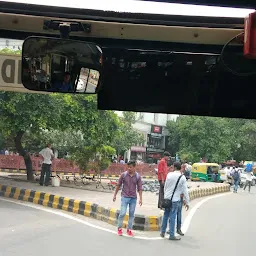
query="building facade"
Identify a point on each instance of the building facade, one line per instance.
(153, 128)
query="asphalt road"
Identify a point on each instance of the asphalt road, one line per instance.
(222, 226)
(90, 87)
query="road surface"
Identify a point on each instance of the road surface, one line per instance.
(90, 87)
(221, 226)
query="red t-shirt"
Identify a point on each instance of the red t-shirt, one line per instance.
(162, 168)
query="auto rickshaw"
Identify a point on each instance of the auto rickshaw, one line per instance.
(205, 172)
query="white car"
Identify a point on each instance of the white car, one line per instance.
(80, 86)
(223, 174)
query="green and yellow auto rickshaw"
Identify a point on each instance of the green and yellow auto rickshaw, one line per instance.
(205, 172)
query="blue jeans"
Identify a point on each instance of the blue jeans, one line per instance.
(170, 214)
(179, 215)
(125, 201)
(236, 183)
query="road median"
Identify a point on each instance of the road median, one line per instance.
(96, 211)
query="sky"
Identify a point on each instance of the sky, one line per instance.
(133, 6)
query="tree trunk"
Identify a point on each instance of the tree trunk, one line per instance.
(26, 156)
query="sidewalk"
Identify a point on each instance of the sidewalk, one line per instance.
(103, 199)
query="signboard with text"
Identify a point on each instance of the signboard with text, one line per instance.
(156, 129)
(10, 73)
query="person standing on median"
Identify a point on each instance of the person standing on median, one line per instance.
(48, 156)
(130, 181)
(181, 203)
(175, 186)
(162, 173)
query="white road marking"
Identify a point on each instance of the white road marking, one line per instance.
(192, 212)
(185, 226)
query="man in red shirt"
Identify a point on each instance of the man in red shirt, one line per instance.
(162, 173)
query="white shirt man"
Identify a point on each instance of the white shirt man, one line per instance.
(170, 183)
(169, 193)
(229, 171)
(249, 176)
(47, 155)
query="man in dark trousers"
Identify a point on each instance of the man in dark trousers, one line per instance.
(162, 173)
(48, 156)
(175, 186)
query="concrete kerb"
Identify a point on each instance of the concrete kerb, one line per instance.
(88, 209)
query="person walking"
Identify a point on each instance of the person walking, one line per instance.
(249, 177)
(162, 173)
(131, 182)
(175, 186)
(48, 156)
(236, 177)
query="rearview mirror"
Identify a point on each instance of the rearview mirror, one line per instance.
(61, 65)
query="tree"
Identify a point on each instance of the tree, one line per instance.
(26, 112)
(59, 115)
(217, 139)
(102, 159)
(244, 145)
(207, 137)
(126, 135)
(173, 138)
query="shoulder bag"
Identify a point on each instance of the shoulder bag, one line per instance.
(167, 203)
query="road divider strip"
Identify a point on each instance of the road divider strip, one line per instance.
(88, 209)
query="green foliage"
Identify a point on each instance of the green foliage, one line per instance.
(10, 51)
(71, 123)
(2, 140)
(217, 139)
(101, 159)
(126, 135)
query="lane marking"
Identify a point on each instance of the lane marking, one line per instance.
(192, 212)
(185, 226)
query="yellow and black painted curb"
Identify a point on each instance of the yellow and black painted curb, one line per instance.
(109, 215)
(141, 222)
(12, 171)
(69, 173)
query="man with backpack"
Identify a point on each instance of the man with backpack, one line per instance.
(131, 182)
(236, 178)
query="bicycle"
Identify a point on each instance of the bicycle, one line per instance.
(112, 184)
(83, 178)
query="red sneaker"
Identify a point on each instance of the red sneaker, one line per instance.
(120, 232)
(129, 233)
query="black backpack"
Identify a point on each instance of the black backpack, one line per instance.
(236, 175)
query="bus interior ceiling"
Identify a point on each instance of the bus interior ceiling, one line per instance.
(166, 77)
(180, 83)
